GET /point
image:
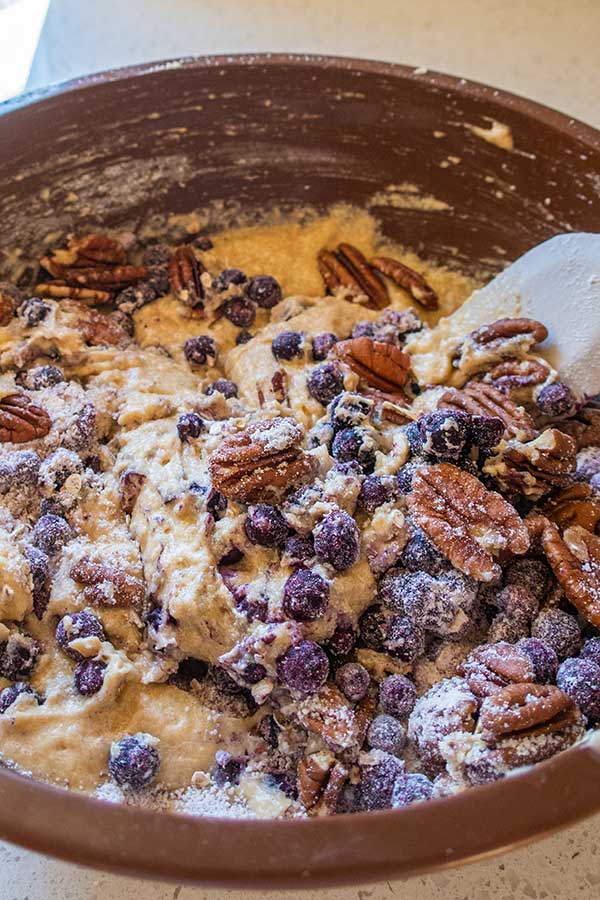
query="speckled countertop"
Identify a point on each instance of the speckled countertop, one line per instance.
(545, 49)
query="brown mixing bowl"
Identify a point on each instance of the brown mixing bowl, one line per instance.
(263, 131)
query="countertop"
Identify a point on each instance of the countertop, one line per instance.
(545, 49)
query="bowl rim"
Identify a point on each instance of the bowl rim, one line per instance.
(528, 805)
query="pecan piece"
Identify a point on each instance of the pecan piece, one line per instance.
(575, 560)
(585, 428)
(465, 520)
(408, 279)
(320, 781)
(537, 467)
(261, 462)
(21, 420)
(107, 585)
(114, 277)
(522, 708)
(184, 276)
(57, 290)
(97, 248)
(379, 365)
(96, 328)
(512, 374)
(331, 717)
(491, 667)
(481, 399)
(347, 267)
(130, 485)
(576, 504)
(8, 302)
(505, 329)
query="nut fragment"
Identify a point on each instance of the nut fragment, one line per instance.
(481, 399)
(464, 520)
(91, 249)
(381, 366)
(514, 374)
(347, 267)
(107, 585)
(575, 560)
(504, 329)
(522, 708)
(320, 781)
(184, 275)
(408, 279)
(576, 504)
(331, 717)
(96, 328)
(261, 462)
(56, 290)
(536, 467)
(21, 420)
(491, 667)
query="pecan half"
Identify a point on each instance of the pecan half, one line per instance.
(320, 781)
(481, 399)
(504, 329)
(575, 560)
(261, 462)
(97, 248)
(331, 717)
(464, 520)
(513, 374)
(184, 275)
(113, 277)
(522, 708)
(56, 290)
(491, 667)
(381, 366)
(347, 267)
(585, 428)
(21, 420)
(407, 279)
(107, 585)
(576, 504)
(537, 467)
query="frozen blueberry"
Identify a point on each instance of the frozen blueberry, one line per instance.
(305, 596)
(134, 761)
(266, 526)
(19, 469)
(34, 311)
(413, 436)
(190, 425)
(322, 344)
(198, 350)
(355, 444)
(420, 555)
(349, 799)
(303, 668)
(580, 679)
(283, 781)
(240, 311)
(227, 768)
(363, 329)
(89, 676)
(51, 533)
(444, 434)
(397, 695)
(394, 324)
(337, 540)
(228, 277)
(41, 377)
(353, 681)
(223, 386)
(405, 477)
(253, 673)
(558, 629)
(374, 492)
(485, 432)
(386, 733)
(531, 574)
(342, 642)
(242, 337)
(411, 788)
(77, 626)
(518, 602)
(325, 382)
(18, 656)
(404, 639)
(377, 783)
(157, 255)
(39, 565)
(216, 503)
(265, 291)
(287, 345)
(542, 657)
(299, 548)
(349, 409)
(374, 627)
(10, 694)
(591, 650)
(135, 296)
(556, 400)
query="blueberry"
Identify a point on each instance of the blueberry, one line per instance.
(404, 639)
(240, 311)
(413, 436)
(485, 432)
(420, 555)
(373, 627)
(287, 345)
(216, 503)
(363, 329)
(19, 469)
(18, 656)
(265, 291)
(558, 629)
(76, 626)
(135, 296)
(405, 477)
(322, 344)
(253, 673)
(284, 781)
(342, 642)
(411, 788)
(374, 492)
(305, 596)
(303, 668)
(325, 382)
(353, 681)
(227, 768)
(89, 676)
(42, 377)
(349, 799)
(542, 657)
(531, 574)
(377, 783)
(198, 350)
(349, 409)
(580, 679)
(337, 540)
(591, 650)
(386, 733)
(10, 694)
(355, 444)
(223, 386)
(157, 255)
(189, 426)
(228, 277)
(34, 311)
(266, 526)
(134, 761)
(556, 400)
(242, 337)
(444, 434)
(300, 549)
(51, 533)
(397, 695)
(39, 565)
(203, 242)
